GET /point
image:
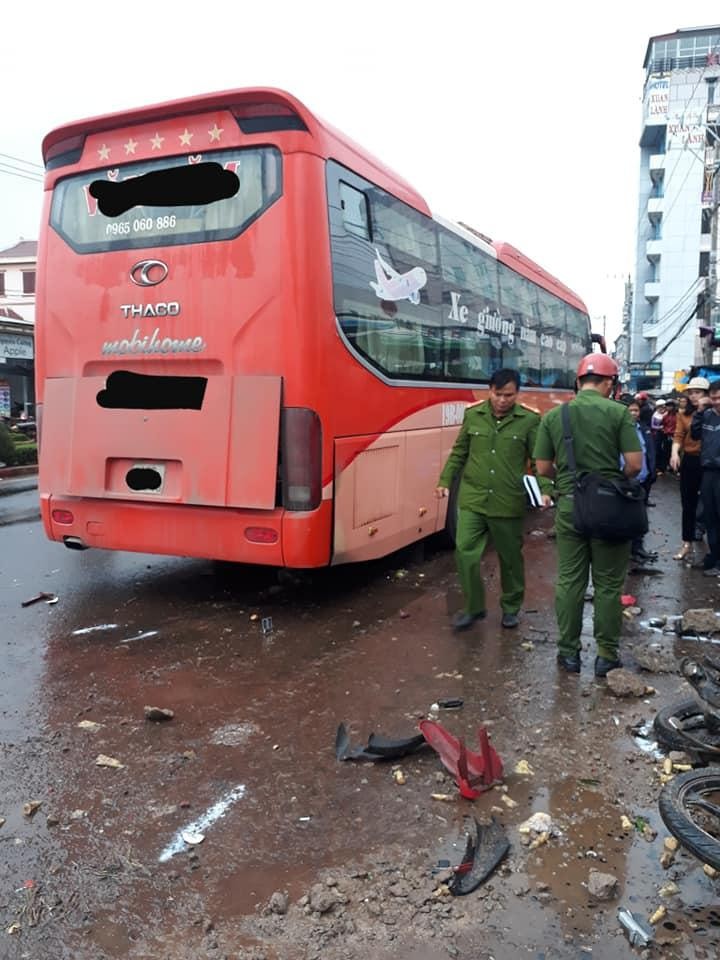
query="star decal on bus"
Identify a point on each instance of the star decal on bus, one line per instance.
(215, 132)
(186, 137)
(130, 146)
(104, 152)
(392, 285)
(157, 141)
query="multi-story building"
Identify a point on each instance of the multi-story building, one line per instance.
(17, 323)
(675, 282)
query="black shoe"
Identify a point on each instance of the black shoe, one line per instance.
(603, 666)
(510, 620)
(642, 556)
(463, 620)
(569, 664)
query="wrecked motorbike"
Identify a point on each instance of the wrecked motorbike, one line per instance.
(689, 804)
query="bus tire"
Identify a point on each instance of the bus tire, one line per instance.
(676, 804)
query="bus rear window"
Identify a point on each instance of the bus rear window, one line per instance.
(75, 214)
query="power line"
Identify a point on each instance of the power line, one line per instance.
(15, 172)
(27, 163)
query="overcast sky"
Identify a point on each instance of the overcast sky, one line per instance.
(519, 118)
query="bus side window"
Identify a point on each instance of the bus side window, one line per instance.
(354, 204)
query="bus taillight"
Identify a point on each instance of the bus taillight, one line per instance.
(63, 516)
(301, 459)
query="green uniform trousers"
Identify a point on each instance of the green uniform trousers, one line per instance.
(577, 556)
(473, 532)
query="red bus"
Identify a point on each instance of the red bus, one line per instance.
(255, 342)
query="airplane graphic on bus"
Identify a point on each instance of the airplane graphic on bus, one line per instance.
(392, 285)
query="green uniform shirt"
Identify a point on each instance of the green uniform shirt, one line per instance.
(493, 456)
(602, 429)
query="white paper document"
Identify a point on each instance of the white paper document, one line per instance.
(533, 490)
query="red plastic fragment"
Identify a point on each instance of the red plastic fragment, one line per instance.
(473, 772)
(628, 600)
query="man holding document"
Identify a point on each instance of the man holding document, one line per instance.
(492, 454)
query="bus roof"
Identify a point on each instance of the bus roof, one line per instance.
(512, 257)
(327, 141)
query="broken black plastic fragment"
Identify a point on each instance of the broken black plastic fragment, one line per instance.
(185, 186)
(378, 748)
(486, 846)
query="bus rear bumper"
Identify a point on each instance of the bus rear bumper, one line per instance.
(271, 537)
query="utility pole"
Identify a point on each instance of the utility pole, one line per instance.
(712, 163)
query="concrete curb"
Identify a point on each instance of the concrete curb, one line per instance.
(18, 485)
(28, 470)
(22, 516)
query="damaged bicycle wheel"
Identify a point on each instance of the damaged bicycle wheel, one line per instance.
(690, 808)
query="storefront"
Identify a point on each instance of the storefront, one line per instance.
(17, 366)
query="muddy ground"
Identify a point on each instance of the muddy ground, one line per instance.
(304, 856)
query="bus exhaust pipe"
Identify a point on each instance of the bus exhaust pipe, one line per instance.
(75, 543)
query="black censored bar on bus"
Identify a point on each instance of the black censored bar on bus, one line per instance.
(172, 187)
(139, 391)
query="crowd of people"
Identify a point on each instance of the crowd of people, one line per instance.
(638, 439)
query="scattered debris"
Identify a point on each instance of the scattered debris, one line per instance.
(473, 772)
(158, 714)
(48, 597)
(89, 725)
(703, 620)
(670, 889)
(655, 656)
(626, 822)
(659, 915)
(601, 886)
(378, 748)
(31, 808)
(447, 797)
(452, 703)
(486, 846)
(623, 683)
(266, 624)
(101, 626)
(523, 768)
(399, 777)
(279, 903)
(539, 823)
(192, 839)
(628, 600)
(710, 871)
(639, 932)
(104, 761)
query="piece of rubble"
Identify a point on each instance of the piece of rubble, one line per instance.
(31, 808)
(399, 777)
(524, 769)
(538, 823)
(702, 620)
(279, 903)
(658, 915)
(624, 683)
(322, 898)
(710, 871)
(104, 761)
(90, 725)
(655, 656)
(670, 889)
(626, 822)
(601, 886)
(158, 714)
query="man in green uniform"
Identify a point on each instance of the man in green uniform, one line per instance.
(491, 453)
(602, 431)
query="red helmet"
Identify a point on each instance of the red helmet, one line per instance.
(642, 395)
(598, 363)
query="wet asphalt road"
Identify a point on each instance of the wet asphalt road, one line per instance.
(248, 760)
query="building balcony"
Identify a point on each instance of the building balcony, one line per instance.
(653, 249)
(651, 290)
(657, 166)
(655, 207)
